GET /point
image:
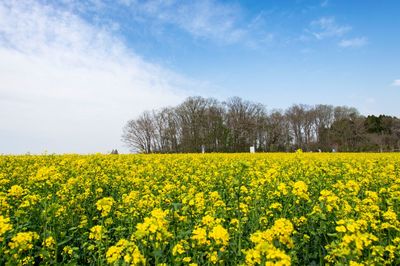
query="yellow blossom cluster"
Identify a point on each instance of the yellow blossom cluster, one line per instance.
(265, 250)
(23, 241)
(155, 227)
(4, 226)
(104, 205)
(127, 251)
(97, 232)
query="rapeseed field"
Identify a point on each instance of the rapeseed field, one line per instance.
(192, 209)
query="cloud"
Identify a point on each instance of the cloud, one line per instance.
(204, 19)
(324, 3)
(396, 83)
(326, 27)
(222, 22)
(69, 86)
(353, 43)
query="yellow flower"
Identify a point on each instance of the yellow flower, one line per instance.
(277, 256)
(341, 229)
(137, 257)
(276, 206)
(125, 250)
(23, 241)
(329, 199)
(299, 221)
(68, 250)
(213, 257)
(200, 235)
(300, 190)
(282, 230)
(353, 263)
(5, 226)
(244, 208)
(104, 205)
(178, 249)
(155, 226)
(253, 257)
(49, 242)
(114, 253)
(235, 224)
(187, 259)
(207, 220)
(283, 188)
(220, 235)
(16, 191)
(390, 215)
(97, 232)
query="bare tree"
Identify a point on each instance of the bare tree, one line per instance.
(243, 120)
(295, 117)
(309, 127)
(166, 130)
(192, 119)
(344, 112)
(216, 131)
(277, 132)
(139, 134)
(324, 118)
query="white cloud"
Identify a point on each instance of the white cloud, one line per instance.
(200, 18)
(324, 3)
(355, 42)
(68, 86)
(396, 83)
(208, 19)
(327, 27)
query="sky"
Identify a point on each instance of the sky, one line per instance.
(73, 72)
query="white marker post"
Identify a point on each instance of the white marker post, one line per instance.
(252, 149)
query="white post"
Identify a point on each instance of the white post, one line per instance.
(252, 149)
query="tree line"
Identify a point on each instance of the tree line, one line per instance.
(236, 124)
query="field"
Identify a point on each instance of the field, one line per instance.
(224, 209)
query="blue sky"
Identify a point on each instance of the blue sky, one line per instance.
(73, 72)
